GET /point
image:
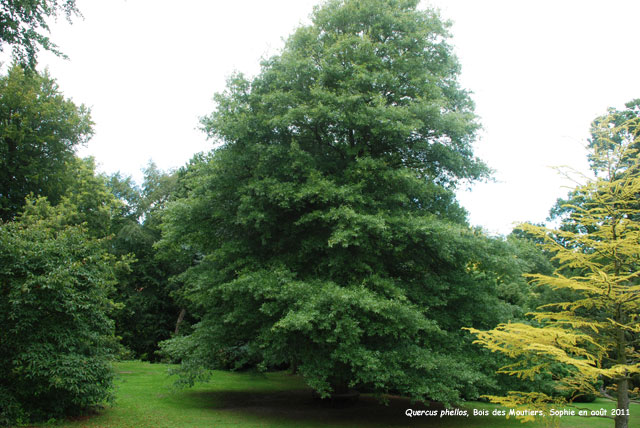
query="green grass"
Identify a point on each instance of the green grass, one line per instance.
(145, 399)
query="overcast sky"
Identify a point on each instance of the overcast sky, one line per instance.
(540, 71)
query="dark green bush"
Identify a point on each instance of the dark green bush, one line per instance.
(56, 340)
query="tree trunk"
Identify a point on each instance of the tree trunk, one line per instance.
(183, 312)
(622, 419)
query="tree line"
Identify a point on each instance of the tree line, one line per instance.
(321, 235)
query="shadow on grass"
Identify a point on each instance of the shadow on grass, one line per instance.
(300, 407)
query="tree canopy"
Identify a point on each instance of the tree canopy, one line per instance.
(324, 231)
(39, 131)
(367, 79)
(22, 22)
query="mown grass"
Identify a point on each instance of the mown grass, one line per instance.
(145, 399)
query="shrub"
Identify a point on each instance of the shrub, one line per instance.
(56, 340)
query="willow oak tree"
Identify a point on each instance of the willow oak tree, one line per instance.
(325, 229)
(21, 22)
(39, 131)
(595, 335)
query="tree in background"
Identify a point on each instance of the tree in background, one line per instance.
(149, 313)
(593, 336)
(614, 129)
(607, 131)
(325, 232)
(21, 22)
(39, 130)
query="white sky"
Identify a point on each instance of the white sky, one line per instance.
(540, 71)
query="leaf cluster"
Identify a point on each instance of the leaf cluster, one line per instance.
(22, 23)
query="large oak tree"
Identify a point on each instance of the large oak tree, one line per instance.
(324, 230)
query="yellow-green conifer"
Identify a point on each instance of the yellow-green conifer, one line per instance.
(593, 335)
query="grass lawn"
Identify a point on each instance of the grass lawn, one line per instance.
(145, 399)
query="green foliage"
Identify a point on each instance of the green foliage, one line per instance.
(21, 22)
(39, 130)
(56, 337)
(324, 233)
(148, 314)
(86, 201)
(368, 79)
(125, 190)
